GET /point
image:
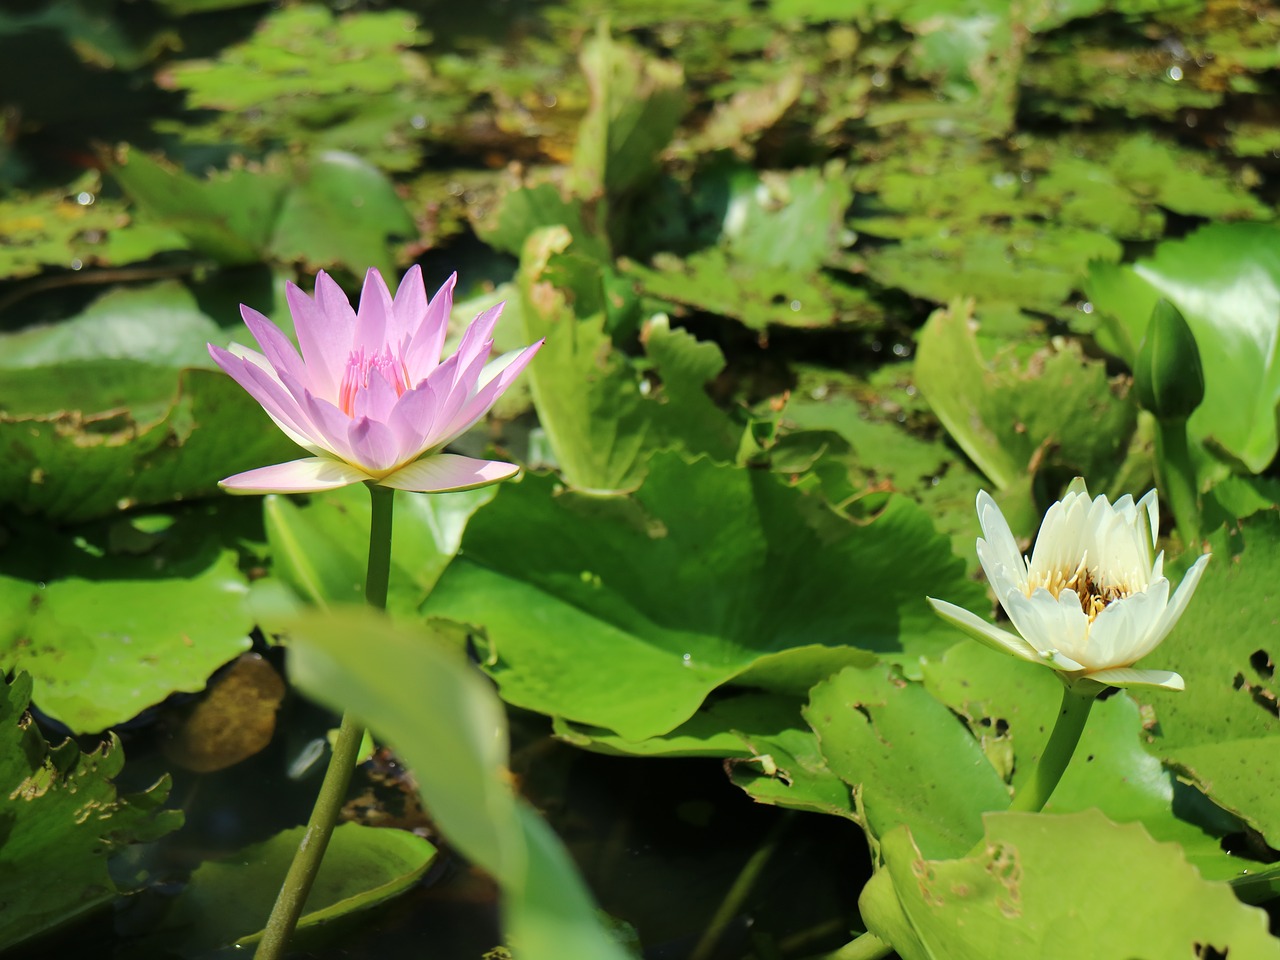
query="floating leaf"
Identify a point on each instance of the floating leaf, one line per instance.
(228, 901)
(1223, 732)
(908, 756)
(63, 820)
(104, 636)
(1011, 707)
(1007, 898)
(706, 574)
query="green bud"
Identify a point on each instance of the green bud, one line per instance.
(1167, 376)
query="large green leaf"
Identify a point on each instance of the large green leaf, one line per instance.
(228, 901)
(1225, 278)
(105, 635)
(626, 611)
(1011, 706)
(912, 761)
(1223, 732)
(441, 714)
(63, 819)
(1057, 886)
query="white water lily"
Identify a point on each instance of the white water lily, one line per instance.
(1090, 601)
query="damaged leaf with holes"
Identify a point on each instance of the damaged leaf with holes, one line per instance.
(64, 819)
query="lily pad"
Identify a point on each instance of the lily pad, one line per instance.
(104, 636)
(1223, 732)
(1006, 899)
(63, 820)
(910, 759)
(706, 574)
(1011, 706)
(228, 901)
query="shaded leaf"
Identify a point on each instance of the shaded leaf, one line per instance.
(63, 818)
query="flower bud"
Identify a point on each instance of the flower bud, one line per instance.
(1167, 376)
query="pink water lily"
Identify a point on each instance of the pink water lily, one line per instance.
(370, 397)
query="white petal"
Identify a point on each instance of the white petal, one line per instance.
(984, 632)
(448, 471)
(1125, 630)
(1129, 677)
(1047, 624)
(1151, 505)
(1181, 597)
(1000, 544)
(296, 476)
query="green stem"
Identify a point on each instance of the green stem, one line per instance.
(1177, 476)
(742, 885)
(865, 947)
(1077, 701)
(346, 750)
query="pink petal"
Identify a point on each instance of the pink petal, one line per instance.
(296, 476)
(447, 471)
(374, 317)
(377, 400)
(275, 345)
(273, 397)
(409, 306)
(332, 426)
(479, 405)
(336, 307)
(413, 419)
(427, 341)
(325, 340)
(477, 339)
(372, 443)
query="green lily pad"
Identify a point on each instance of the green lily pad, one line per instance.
(910, 759)
(1007, 899)
(1225, 278)
(1011, 706)
(228, 901)
(707, 574)
(1057, 410)
(103, 635)
(1223, 733)
(444, 719)
(63, 819)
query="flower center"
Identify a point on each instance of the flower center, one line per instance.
(361, 368)
(1094, 595)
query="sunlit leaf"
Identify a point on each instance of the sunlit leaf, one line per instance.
(1007, 899)
(706, 574)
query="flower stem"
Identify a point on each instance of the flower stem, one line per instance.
(865, 947)
(1177, 476)
(346, 750)
(1077, 701)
